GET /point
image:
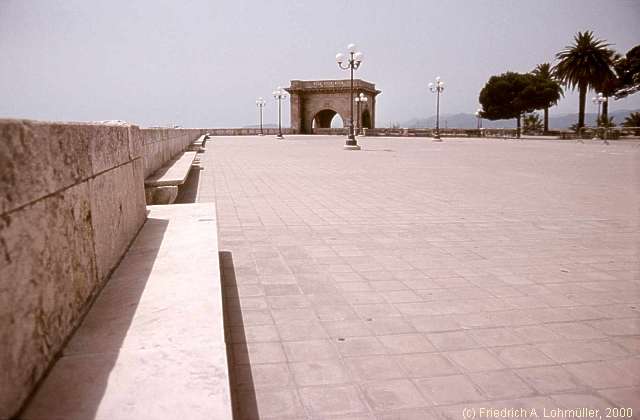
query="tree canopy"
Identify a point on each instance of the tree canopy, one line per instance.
(511, 94)
(585, 64)
(628, 70)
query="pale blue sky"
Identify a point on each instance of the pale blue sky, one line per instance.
(203, 62)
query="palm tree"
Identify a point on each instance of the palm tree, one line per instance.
(633, 120)
(585, 64)
(543, 71)
(531, 123)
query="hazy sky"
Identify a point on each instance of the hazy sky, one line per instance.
(203, 63)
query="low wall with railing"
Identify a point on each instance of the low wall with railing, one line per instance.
(421, 132)
(611, 133)
(71, 201)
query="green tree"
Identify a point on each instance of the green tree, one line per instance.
(632, 120)
(544, 72)
(609, 85)
(531, 123)
(510, 94)
(606, 121)
(628, 70)
(585, 64)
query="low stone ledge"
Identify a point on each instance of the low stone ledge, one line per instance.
(153, 344)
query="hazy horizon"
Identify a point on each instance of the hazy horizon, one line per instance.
(160, 62)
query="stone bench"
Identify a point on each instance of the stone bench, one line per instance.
(199, 144)
(152, 346)
(162, 186)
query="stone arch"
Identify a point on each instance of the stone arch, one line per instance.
(316, 102)
(323, 118)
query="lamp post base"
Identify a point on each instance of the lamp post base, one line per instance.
(437, 138)
(351, 144)
(280, 137)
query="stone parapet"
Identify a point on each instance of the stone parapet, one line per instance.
(71, 201)
(160, 145)
(331, 84)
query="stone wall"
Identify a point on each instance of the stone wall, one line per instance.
(71, 201)
(424, 132)
(161, 144)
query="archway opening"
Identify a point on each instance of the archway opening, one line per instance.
(336, 121)
(366, 119)
(327, 118)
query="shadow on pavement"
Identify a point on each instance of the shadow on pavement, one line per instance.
(243, 400)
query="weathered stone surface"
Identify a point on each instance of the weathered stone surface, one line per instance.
(47, 276)
(37, 159)
(71, 201)
(40, 158)
(153, 344)
(108, 144)
(160, 145)
(117, 214)
(135, 142)
(161, 195)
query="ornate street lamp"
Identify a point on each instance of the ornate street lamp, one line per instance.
(599, 100)
(437, 88)
(279, 94)
(260, 103)
(479, 117)
(358, 100)
(353, 62)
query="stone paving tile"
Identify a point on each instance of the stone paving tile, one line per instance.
(319, 372)
(447, 390)
(550, 379)
(392, 394)
(431, 278)
(501, 384)
(333, 400)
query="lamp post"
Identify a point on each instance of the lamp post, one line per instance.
(353, 62)
(437, 88)
(599, 100)
(260, 103)
(479, 117)
(279, 94)
(358, 100)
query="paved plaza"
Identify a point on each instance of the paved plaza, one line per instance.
(417, 280)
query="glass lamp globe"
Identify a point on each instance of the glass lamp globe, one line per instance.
(339, 57)
(351, 47)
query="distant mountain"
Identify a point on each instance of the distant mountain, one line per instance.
(557, 122)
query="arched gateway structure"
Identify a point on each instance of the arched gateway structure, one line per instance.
(314, 103)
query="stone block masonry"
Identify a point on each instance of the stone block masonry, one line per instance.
(71, 201)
